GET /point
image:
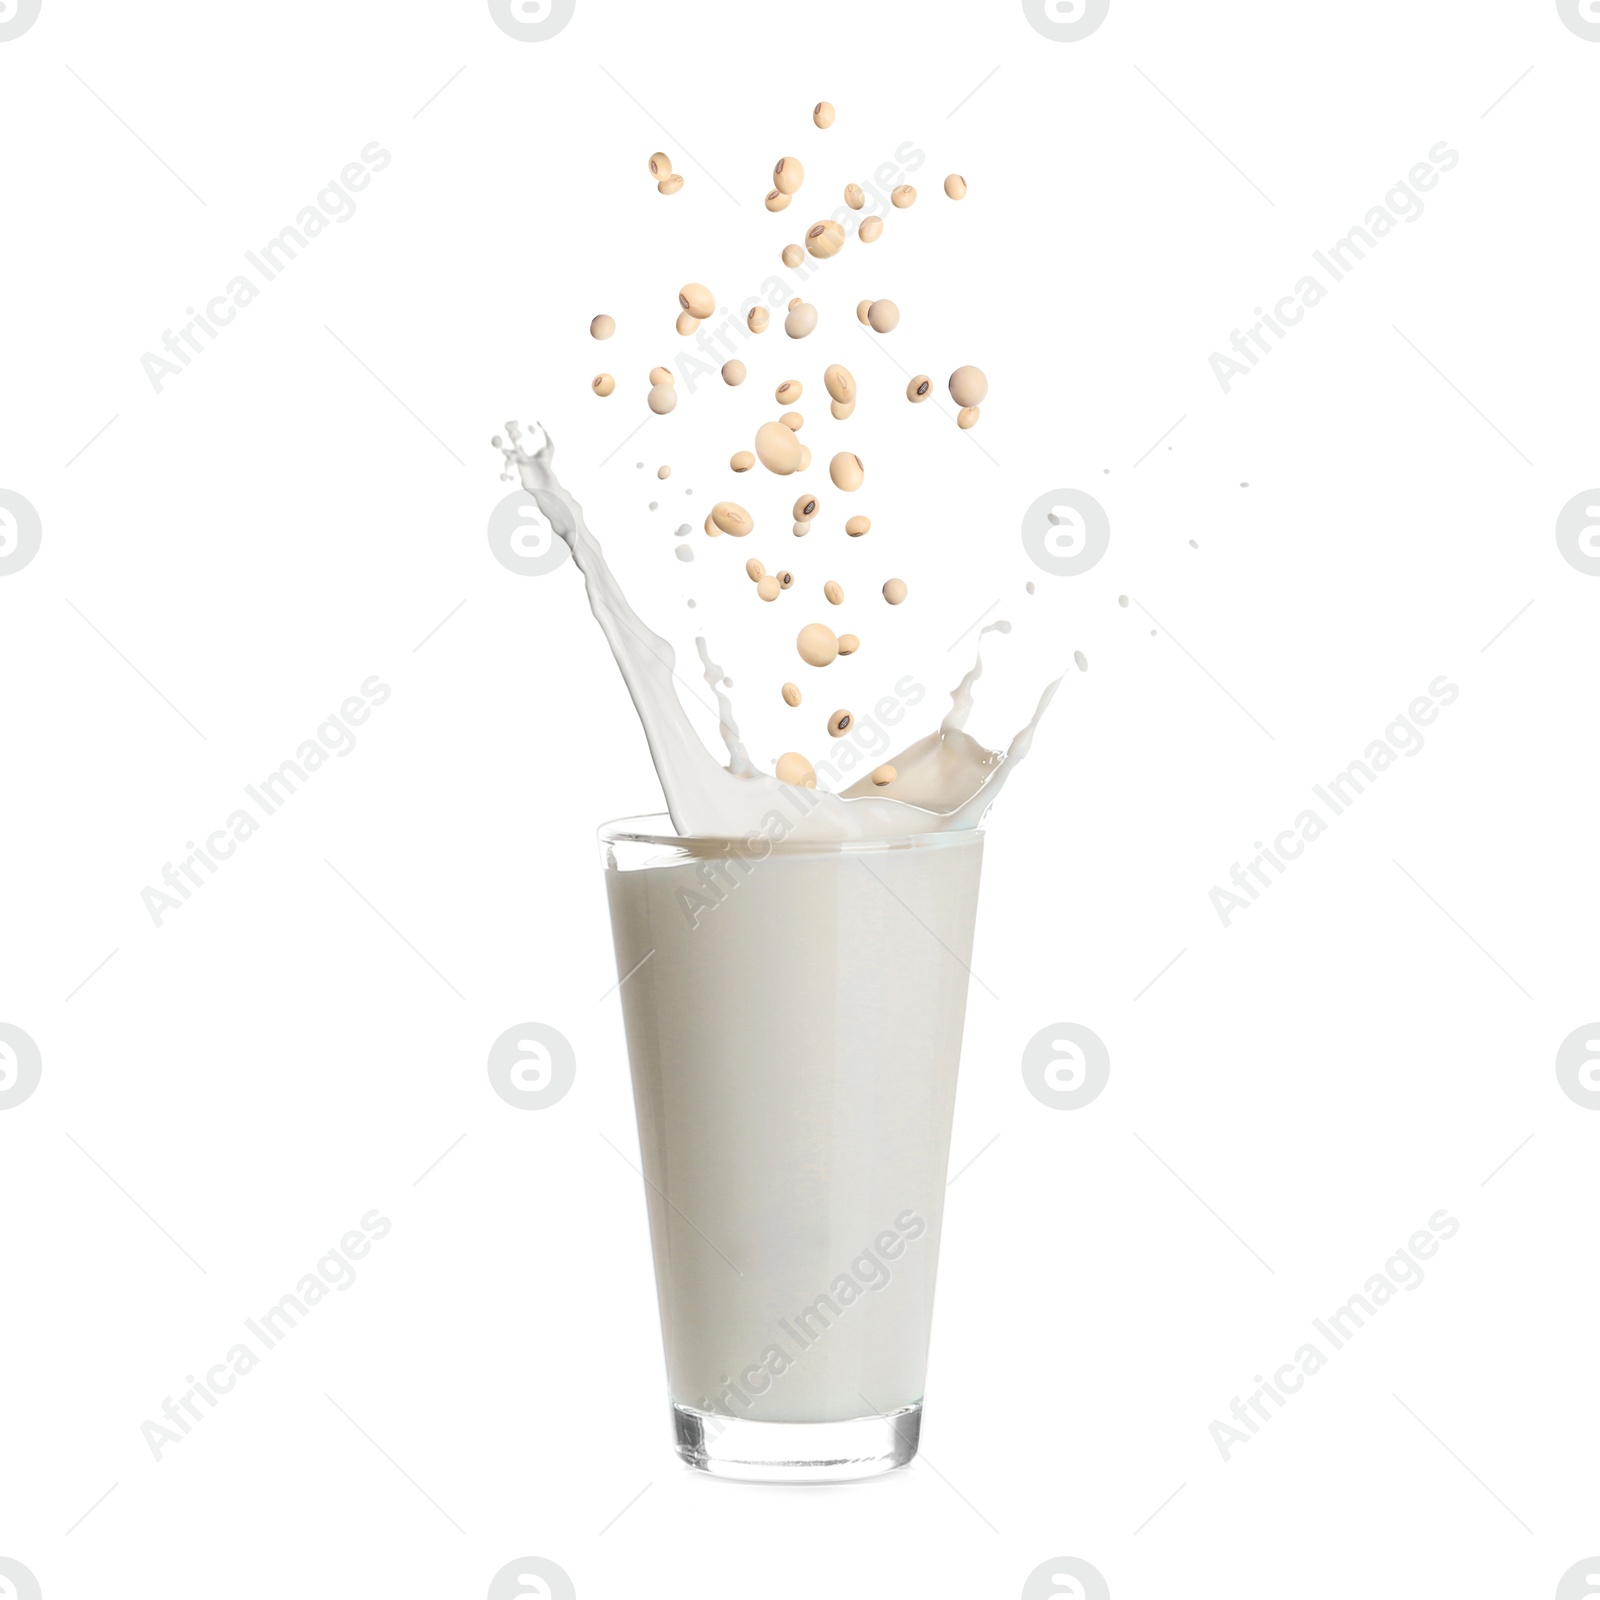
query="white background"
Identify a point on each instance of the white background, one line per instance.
(1290, 1099)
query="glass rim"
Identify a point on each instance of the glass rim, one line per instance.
(638, 830)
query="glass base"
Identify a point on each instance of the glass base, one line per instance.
(796, 1452)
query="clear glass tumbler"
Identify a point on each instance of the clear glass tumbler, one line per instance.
(794, 1014)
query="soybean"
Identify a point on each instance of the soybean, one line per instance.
(793, 255)
(894, 591)
(903, 196)
(602, 327)
(663, 472)
(825, 239)
(793, 768)
(863, 308)
(777, 448)
(731, 517)
(833, 593)
(857, 526)
(841, 409)
(967, 417)
(884, 317)
(805, 458)
(785, 579)
(848, 644)
(788, 391)
(660, 165)
(733, 373)
(919, 388)
(956, 186)
(840, 723)
(662, 398)
(822, 114)
(871, 228)
(800, 321)
(788, 175)
(697, 300)
(968, 386)
(817, 643)
(793, 421)
(884, 775)
(791, 694)
(660, 375)
(603, 384)
(741, 461)
(839, 383)
(758, 319)
(768, 588)
(805, 508)
(670, 185)
(847, 472)
(686, 324)
(754, 570)
(854, 196)
(801, 529)
(777, 199)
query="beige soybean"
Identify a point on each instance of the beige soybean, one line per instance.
(697, 300)
(903, 196)
(805, 508)
(817, 643)
(967, 417)
(863, 310)
(839, 383)
(884, 317)
(788, 391)
(884, 775)
(894, 591)
(842, 409)
(758, 319)
(603, 384)
(805, 458)
(602, 327)
(848, 644)
(857, 526)
(968, 386)
(686, 324)
(733, 373)
(660, 165)
(833, 593)
(870, 230)
(956, 186)
(785, 579)
(777, 449)
(801, 529)
(791, 694)
(662, 398)
(712, 530)
(840, 723)
(793, 768)
(793, 255)
(755, 571)
(661, 375)
(847, 472)
(795, 302)
(663, 472)
(788, 175)
(732, 518)
(741, 461)
(769, 588)
(777, 199)
(793, 421)
(854, 196)
(801, 321)
(670, 185)
(822, 114)
(919, 388)
(825, 239)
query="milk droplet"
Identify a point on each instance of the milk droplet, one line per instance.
(685, 552)
(653, 504)
(1030, 586)
(681, 529)
(1122, 599)
(1194, 544)
(1081, 659)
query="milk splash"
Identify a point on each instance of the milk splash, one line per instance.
(945, 781)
